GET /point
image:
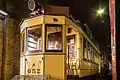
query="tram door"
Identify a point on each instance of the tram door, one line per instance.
(71, 46)
(71, 53)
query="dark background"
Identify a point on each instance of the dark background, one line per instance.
(118, 37)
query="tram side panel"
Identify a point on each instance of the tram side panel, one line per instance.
(84, 62)
(89, 62)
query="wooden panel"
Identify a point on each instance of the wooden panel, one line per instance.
(50, 19)
(59, 10)
(31, 22)
(34, 64)
(55, 67)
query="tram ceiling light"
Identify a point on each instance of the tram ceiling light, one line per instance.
(3, 13)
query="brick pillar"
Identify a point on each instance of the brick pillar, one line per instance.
(1, 46)
(12, 59)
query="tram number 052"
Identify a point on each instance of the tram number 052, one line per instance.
(33, 71)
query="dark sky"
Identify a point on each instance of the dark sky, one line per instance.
(83, 10)
(118, 37)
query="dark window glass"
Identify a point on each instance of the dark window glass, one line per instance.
(84, 48)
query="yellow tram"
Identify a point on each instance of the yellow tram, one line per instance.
(56, 47)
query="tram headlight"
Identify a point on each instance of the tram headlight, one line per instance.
(34, 5)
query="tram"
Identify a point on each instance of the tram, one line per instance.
(56, 47)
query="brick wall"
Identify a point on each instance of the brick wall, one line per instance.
(1, 29)
(12, 61)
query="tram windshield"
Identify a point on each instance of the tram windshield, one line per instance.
(53, 38)
(34, 38)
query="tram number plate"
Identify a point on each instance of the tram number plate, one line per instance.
(34, 71)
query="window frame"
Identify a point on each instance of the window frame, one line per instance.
(22, 41)
(32, 28)
(53, 25)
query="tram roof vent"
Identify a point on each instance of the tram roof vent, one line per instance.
(40, 7)
(57, 10)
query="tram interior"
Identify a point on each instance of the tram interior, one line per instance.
(53, 37)
(34, 38)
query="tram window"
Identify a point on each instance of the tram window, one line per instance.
(86, 51)
(23, 38)
(53, 38)
(84, 47)
(71, 46)
(34, 38)
(93, 55)
(32, 43)
(89, 51)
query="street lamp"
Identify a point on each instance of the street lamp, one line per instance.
(100, 12)
(3, 13)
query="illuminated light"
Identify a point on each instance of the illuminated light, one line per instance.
(113, 47)
(85, 24)
(3, 13)
(100, 11)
